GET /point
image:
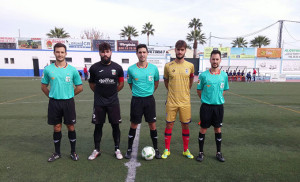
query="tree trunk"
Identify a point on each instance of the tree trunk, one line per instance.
(195, 49)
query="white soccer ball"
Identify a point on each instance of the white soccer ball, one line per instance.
(148, 153)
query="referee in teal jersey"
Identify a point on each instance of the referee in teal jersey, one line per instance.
(62, 77)
(143, 79)
(211, 88)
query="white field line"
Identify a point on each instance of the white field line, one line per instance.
(133, 163)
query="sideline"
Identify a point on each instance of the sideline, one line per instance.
(10, 101)
(263, 102)
(133, 164)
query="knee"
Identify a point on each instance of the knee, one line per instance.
(203, 130)
(169, 125)
(133, 126)
(152, 126)
(71, 127)
(57, 128)
(185, 126)
(217, 130)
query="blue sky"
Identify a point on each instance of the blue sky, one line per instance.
(170, 19)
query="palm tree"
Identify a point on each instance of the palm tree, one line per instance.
(147, 29)
(239, 42)
(195, 24)
(196, 35)
(260, 41)
(129, 31)
(58, 33)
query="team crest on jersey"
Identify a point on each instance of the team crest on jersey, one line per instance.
(222, 85)
(150, 78)
(113, 72)
(68, 79)
(186, 71)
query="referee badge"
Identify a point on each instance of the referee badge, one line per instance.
(113, 72)
(68, 79)
(150, 78)
(222, 85)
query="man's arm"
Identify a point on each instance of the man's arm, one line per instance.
(191, 81)
(92, 86)
(156, 85)
(45, 89)
(78, 89)
(166, 81)
(130, 85)
(120, 86)
(199, 93)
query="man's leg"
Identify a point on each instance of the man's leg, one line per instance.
(153, 135)
(131, 136)
(56, 138)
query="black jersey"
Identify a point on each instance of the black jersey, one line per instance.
(106, 78)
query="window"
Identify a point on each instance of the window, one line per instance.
(87, 60)
(12, 60)
(125, 61)
(6, 60)
(69, 60)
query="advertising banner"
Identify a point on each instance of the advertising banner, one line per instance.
(225, 51)
(157, 51)
(291, 54)
(49, 43)
(242, 53)
(29, 43)
(79, 44)
(96, 44)
(269, 52)
(8, 43)
(126, 45)
(7, 40)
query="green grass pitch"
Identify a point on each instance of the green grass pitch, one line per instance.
(261, 132)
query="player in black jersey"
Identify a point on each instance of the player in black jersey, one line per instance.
(106, 80)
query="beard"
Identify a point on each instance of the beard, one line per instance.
(214, 65)
(105, 60)
(177, 56)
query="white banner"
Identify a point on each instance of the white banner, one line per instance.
(291, 54)
(79, 44)
(157, 51)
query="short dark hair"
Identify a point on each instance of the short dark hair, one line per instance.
(59, 45)
(215, 52)
(104, 46)
(180, 44)
(141, 46)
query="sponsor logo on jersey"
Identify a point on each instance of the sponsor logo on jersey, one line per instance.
(113, 72)
(107, 81)
(52, 78)
(208, 85)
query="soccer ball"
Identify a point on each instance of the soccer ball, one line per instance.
(148, 153)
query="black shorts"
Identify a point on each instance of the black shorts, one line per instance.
(61, 108)
(142, 106)
(113, 112)
(211, 115)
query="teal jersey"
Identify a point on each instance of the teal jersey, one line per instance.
(142, 79)
(212, 87)
(61, 80)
